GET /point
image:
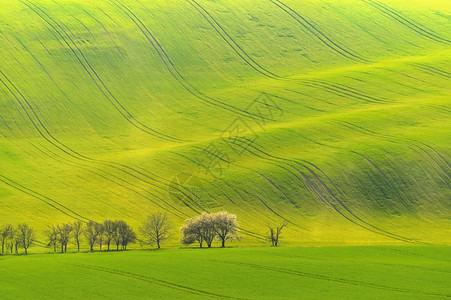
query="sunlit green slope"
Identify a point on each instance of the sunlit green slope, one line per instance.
(331, 115)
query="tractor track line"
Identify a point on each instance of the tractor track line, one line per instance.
(317, 33)
(229, 40)
(424, 32)
(125, 183)
(317, 191)
(336, 279)
(95, 78)
(330, 193)
(171, 68)
(56, 143)
(385, 178)
(53, 203)
(153, 280)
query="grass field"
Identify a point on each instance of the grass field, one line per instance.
(376, 272)
(343, 110)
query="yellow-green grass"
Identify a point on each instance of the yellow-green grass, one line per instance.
(102, 105)
(372, 272)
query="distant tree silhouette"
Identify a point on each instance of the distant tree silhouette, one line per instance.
(5, 233)
(110, 231)
(77, 231)
(91, 233)
(64, 233)
(128, 236)
(274, 234)
(26, 236)
(51, 235)
(101, 236)
(156, 228)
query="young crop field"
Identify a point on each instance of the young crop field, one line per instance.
(376, 272)
(332, 117)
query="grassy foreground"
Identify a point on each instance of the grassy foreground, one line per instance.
(373, 272)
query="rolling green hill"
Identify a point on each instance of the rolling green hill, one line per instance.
(333, 116)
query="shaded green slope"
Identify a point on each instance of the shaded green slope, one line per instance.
(343, 114)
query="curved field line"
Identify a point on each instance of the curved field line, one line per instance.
(156, 281)
(419, 29)
(385, 178)
(433, 70)
(42, 66)
(336, 279)
(95, 78)
(53, 203)
(117, 180)
(44, 133)
(317, 33)
(254, 195)
(172, 69)
(229, 40)
(320, 188)
(446, 168)
(343, 91)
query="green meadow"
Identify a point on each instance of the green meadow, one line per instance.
(375, 272)
(332, 116)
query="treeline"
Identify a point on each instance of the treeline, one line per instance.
(18, 237)
(109, 232)
(205, 228)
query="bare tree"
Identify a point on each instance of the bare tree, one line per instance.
(51, 235)
(192, 232)
(12, 240)
(110, 231)
(120, 229)
(26, 236)
(77, 231)
(226, 226)
(91, 233)
(128, 236)
(274, 234)
(156, 228)
(101, 236)
(64, 232)
(5, 232)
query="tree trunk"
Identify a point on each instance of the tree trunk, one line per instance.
(108, 246)
(3, 247)
(92, 247)
(78, 246)
(26, 252)
(223, 243)
(158, 244)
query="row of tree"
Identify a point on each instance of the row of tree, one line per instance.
(204, 228)
(15, 238)
(108, 232)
